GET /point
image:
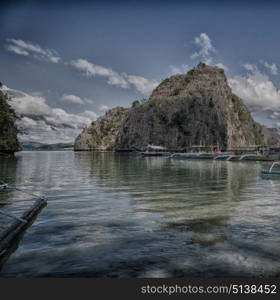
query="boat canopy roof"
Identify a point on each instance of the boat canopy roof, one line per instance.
(249, 146)
(155, 147)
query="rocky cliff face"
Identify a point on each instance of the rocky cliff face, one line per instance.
(8, 130)
(184, 110)
(191, 109)
(102, 133)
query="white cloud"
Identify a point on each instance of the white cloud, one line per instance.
(273, 69)
(143, 85)
(205, 48)
(88, 101)
(41, 123)
(29, 105)
(89, 114)
(91, 69)
(275, 115)
(123, 80)
(256, 89)
(222, 66)
(174, 70)
(250, 67)
(21, 47)
(75, 99)
(103, 108)
(17, 50)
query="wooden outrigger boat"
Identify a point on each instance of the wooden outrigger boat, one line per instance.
(250, 153)
(222, 156)
(272, 172)
(184, 155)
(12, 234)
(153, 150)
(197, 152)
(147, 154)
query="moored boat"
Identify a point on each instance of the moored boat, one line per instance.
(153, 150)
(272, 170)
(149, 153)
(206, 155)
(184, 155)
(222, 156)
(233, 157)
(197, 152)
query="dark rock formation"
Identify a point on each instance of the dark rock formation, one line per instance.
(184, 110)
(8, 130)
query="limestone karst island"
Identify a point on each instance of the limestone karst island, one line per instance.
(197, 108)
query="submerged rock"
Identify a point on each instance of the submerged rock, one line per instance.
(8, 130)
(184, 110)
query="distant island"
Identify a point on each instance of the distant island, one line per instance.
(9, 143)
(35, 146)
(197, 108)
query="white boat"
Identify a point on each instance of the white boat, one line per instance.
(153, 150)
(196, 152)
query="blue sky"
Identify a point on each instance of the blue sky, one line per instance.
(75, 59)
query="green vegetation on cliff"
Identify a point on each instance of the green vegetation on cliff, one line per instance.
(102, 133)
(8, 129)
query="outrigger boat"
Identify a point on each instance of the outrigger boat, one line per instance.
(197, 152)
(153, 150)
(145, 154)
(222, 156)
(251, 153)
(184, 155)
(200, 155)
(271, 171)
(12, 233)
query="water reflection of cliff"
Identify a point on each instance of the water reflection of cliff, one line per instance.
(190, 196)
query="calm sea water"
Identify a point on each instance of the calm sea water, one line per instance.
(119, 215)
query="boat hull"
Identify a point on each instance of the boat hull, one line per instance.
(222, 157)
(184, 156)
(192, 156)
(261, 158)
(153, 154)
(267, 174)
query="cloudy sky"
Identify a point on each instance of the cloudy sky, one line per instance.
(66, 62)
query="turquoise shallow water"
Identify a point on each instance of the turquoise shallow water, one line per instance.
(120, 215)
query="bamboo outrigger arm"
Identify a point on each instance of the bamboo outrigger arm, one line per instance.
(12, 216)
(12, 234)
